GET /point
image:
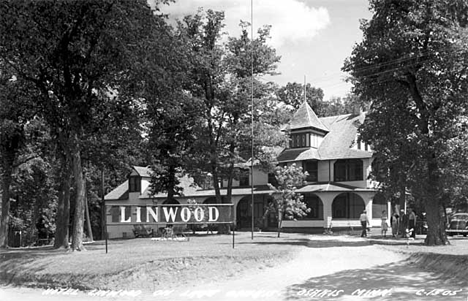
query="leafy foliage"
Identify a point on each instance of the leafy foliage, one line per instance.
(293, 94)
(207, 127)
(287, 202)
(82, 58)
(411, 68)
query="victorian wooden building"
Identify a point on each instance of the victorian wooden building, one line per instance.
(338, 188)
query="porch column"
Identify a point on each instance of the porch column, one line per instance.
(327, 201)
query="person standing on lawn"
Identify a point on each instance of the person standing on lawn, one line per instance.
(412, 223)
(403, 223)
(395, 221)
(364, 222)
(384, 224)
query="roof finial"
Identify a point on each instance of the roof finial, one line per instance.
(305, 90)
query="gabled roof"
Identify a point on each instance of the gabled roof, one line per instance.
(304, 118)
(337, 143)
(142, 171)
(186, 182)
(119, 193)
(298, 154)
(190, 189)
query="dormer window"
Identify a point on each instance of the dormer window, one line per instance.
(134, 184)
(299, 140)
(309, 139)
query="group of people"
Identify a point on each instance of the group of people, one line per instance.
(402, 225)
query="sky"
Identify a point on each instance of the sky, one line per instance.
(313, 37)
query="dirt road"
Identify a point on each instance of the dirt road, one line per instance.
(354, 270)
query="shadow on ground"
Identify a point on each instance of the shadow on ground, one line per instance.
(397, 281)
(331, 242)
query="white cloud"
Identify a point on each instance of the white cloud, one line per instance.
(291, 20)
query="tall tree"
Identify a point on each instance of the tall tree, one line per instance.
(81, 56)
(411, 65)
(294, 94)
(33, 196)
(15, 112)
(350, 104)
(220, 80)
(171, 117)
(171, 143)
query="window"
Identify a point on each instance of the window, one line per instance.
(299, 140)
(314, 140)
(311, 166)
(244, 178)
(360, 144)
(115, 213)
(347, 205)
(272, 179)
(134, 184)
(348, 170)
(315, 205)
(258, 209)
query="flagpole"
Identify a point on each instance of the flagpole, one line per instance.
(252, 116)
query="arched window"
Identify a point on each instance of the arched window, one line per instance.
(379, 203)
(348, 206)
(315, 205)
(171, 202)
(210, 200)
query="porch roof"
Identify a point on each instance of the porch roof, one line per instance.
(236, 191)
(331, 186)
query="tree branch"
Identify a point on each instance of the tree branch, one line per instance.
(26, 160)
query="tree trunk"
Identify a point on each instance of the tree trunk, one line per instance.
(8, 157)
(434, 209)
(280, 221)
(436, 224)
(225, 228)
(435, 218)
(222, 228)
(78, 220)
(63, 209)
(4, 220)
(402, 198)
(88, 219)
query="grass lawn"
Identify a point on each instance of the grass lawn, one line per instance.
(147, 264)
(150, 265)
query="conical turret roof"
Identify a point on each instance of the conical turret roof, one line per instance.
(305, 117)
